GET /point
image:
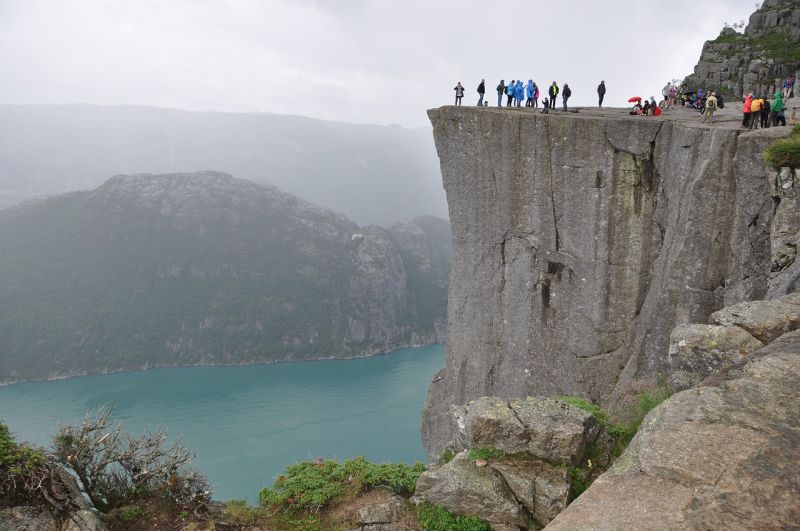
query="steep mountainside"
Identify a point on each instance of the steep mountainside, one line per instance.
(372, 174)
(160, 270)
(581, 241)
(759, 59)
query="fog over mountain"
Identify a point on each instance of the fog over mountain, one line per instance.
(372, 174)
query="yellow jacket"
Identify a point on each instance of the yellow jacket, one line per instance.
(757, 104)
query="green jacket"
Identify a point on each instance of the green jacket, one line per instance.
(777, 105)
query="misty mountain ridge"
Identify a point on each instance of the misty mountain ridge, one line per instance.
(372, 174)
(204, 268)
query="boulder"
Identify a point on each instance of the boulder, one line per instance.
(465, 489)
(557, 431)
(385, 514)
(25, 518)
(711, 457)
(83, 520)
(542, 488)
(697, 351)
(765, 320)
(489, 422)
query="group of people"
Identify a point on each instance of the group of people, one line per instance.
(648, 108)
(518, 92)
(760, 111)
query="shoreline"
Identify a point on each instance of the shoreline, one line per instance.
(147, 367)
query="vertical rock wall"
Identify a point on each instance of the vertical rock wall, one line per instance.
(580, 242)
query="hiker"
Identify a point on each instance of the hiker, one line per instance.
(766, 109)
(673, 92)
(501, 89)
(519, 93)
(565, 95)
(748, 103)
(510, 93)
(535, 94)
(665, 94)
(601, 92)
(778, 110)
(553, 93)
(653, 104)
(711, 107)
(529, 91)
(545, 106)
(459, 93)
(481, 92)
(788, 87)
(646, 108)
(755, 112)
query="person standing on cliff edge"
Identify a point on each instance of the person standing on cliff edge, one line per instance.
(748, 103)
(601, 92)
(711, 107)
(501, 89)
(565, 95)
(459, 92)
(553, 92)
(481, 92)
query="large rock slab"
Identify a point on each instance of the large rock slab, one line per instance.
(697, 351)
(577, 249)
(466, 489)
(764, 320)
(557, 431)
(712, 457)
(543, 489)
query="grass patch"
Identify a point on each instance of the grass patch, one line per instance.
(448, 456)
(485, 453)
(433, 518)
(237, 512)
(785, 153)
(311, 485)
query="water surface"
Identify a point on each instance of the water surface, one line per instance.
(247, 423)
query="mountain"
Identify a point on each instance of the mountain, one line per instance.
(372, 174)
(202, 268)
(758, 60)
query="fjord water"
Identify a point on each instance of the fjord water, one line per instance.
(247, 423)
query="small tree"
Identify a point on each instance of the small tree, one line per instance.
(115, 468)
(27, 473)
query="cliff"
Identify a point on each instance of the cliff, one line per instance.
(757, 60)
(202, 268)
(582, 240)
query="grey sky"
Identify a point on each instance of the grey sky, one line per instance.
(372, 61)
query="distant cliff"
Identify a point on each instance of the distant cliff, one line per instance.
(203, 268)
(581, 241)
(757, 60)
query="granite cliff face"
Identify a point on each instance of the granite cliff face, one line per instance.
(757, 60)
(581, 241)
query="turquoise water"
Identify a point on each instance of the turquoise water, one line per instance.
(247, 423)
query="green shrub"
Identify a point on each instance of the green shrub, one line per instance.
(448, 455)
(579, 482)
(433, 518)
(313, 484)
(486, 453)
(26, 473)
(784, 153)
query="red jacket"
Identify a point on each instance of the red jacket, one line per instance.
(748, 102)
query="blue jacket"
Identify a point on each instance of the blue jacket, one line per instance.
(519, 91)
(530, 89)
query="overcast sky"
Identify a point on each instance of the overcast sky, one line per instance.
(368, 61)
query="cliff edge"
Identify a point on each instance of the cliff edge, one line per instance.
(582, 240)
